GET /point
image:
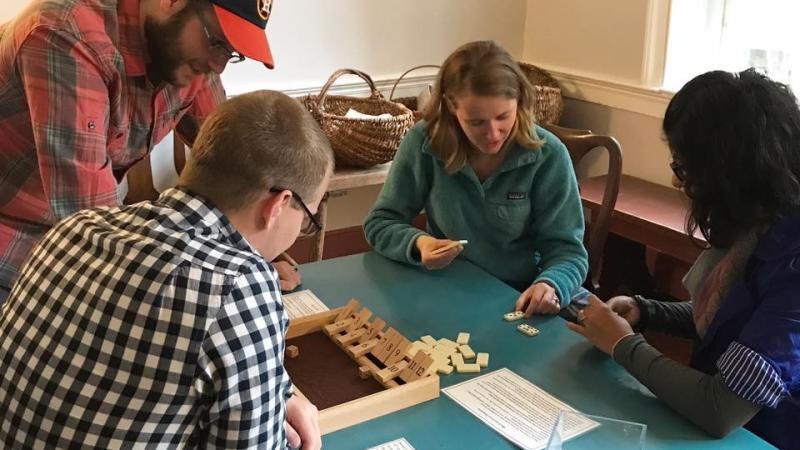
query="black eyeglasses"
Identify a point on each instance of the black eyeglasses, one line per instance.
(310, 225)
(220, 50)
(678, 170)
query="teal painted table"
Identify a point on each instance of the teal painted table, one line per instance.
(465, 298)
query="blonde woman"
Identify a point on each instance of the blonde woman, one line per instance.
(485, 173)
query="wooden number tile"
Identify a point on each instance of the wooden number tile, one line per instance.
(357, 351)
(417, 368)
(384, 375)
(386, 344)
(374, 328)
(337, 327)
(361, 318)
(399, 351)
(349, 338)
(348, 310)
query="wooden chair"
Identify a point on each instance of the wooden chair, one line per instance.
(579, 143)
(141, 187)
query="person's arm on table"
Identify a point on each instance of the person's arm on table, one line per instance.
(288, 272)
(302, 424)
(558, 231)
(673, 318)
(703, 399)
(388, 225)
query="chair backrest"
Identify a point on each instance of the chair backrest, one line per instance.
(141, 185)
(579, 143)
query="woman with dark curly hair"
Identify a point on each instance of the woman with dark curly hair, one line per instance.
(735, 142)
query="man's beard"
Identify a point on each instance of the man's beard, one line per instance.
(162, 46)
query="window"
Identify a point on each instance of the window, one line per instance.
(733, 35)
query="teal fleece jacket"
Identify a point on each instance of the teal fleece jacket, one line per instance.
(524, 223)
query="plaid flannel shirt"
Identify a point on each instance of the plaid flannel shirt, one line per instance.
(155, 325)
(76, 111)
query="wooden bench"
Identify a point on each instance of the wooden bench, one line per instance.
(648, 251)
(648, 213)
(654, 251)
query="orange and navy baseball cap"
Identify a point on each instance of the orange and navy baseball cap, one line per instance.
(243, 22)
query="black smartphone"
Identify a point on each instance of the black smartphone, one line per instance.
(579, 301)
(570, 313)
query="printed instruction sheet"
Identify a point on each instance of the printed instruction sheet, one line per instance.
(302, 303)
(397, 444)
(514, 407)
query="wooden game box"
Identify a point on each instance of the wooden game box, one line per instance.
(353, 370)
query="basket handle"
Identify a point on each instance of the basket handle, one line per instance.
(324, 92)
(423, 66)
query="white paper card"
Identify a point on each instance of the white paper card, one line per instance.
(302, 303)
(514, 407)
(397, 444)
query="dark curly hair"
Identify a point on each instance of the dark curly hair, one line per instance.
(737, 138)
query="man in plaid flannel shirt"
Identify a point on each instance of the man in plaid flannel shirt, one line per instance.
(160, 324)
(90, 86)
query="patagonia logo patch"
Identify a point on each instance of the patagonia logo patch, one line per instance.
(517, 195)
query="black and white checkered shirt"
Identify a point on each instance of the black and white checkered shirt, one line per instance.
(156, 325)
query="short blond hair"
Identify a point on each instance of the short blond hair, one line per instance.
(481, 68)
(252, 143)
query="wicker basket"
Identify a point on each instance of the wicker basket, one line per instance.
(410, 102)
(360, 142)
(547, 95)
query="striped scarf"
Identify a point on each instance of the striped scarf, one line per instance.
(711, 276)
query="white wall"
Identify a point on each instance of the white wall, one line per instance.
(621, 41)
(10, 8)
(310, 39)
(609, 58)
(645, 154)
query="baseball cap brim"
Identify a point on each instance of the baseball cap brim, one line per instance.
(245, 37)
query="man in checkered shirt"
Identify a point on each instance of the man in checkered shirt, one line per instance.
(160, 325)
